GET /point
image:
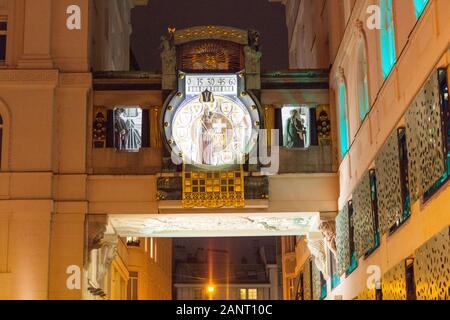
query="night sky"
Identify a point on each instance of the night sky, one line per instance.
(151, 22)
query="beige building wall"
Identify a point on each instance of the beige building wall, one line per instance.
(422, 45)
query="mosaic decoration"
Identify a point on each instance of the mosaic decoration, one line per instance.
(367, 294)
(387, 167)
(432, 268)
(316, 284)
(394, 283)
(307, 278)
(423, 129)
(363, 217)
(343, 241)
(213, 189)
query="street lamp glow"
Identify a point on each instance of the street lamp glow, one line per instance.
(211, 289)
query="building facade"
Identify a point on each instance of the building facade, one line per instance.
(87, 181)
(389, 91)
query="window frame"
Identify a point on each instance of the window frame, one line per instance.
(387, 38)
(343, 116)
(419, 7)
(4, 19)
(362, 80)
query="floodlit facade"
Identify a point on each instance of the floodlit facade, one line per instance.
(345, 156)
(389, 92)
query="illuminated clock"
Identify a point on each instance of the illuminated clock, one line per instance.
(211, 120)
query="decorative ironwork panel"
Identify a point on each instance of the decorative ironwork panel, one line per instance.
(316, 285)
(432, 268)
(343, 240)
(367, 294)
(307, 278)
(423, 129)
(387, 167)
(394, 283)
(363, 217)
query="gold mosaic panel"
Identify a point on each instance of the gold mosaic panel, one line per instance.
(307, 277)
(394, 283)
(343, 241)
(432, 268)
(316, 285)
(213, 189)
(363, 217)
(367, 294)
(387, 164)
(424, 139)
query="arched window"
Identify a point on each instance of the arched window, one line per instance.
(387, 37)
(362, 86)
(343, 119)
(420, 6)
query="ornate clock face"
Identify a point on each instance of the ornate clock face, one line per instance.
(212, 133)
(211, 125)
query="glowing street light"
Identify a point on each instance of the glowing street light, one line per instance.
(211, 289)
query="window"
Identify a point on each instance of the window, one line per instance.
(410, 281)
(353, 253)
(252, 294)
(243, 294)
(343, 120)
(297, 126)
(335, 278)
(248, 294)
(152, 248)
(133, 242)
(420, 5)
(363, 87)
(387, 37)
(374, 200)
(406, 198)
(3, 40)
(445, 124)
(323, 287)
(132, 291)
(128, 129)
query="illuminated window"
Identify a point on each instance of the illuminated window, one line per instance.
(152, 248)
(128, 129)
(297, 126)
(420, 5)
(133, 242)
(387, 37)
(363, 87)
(343, 119)
(3, 40)
(252, 294)
(243, 294)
